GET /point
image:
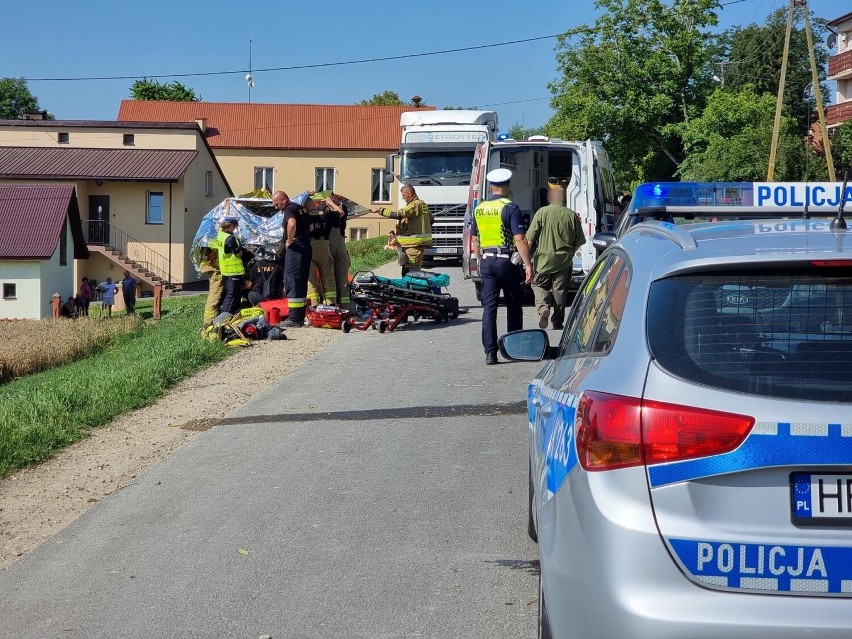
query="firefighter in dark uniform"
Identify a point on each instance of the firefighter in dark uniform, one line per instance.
(297, 257)
(498, 232)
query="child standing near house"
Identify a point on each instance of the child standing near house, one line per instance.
(128, 290)
(108, 289)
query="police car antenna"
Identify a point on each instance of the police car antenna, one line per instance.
(839, 223)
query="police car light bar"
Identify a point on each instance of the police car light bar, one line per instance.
(663, 212)
(797, 196)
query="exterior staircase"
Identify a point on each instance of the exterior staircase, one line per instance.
(129, 254)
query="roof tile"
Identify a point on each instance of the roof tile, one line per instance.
(280, 126)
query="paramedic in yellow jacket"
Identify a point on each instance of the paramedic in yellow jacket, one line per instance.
(414, 229)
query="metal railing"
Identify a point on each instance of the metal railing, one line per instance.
(103, 233)
(840, 64)
(838, 113)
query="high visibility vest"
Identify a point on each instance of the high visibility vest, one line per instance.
(489, 223)
(229, 264)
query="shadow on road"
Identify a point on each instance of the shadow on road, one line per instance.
(529, 566)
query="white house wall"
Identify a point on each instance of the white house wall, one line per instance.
(26, 276)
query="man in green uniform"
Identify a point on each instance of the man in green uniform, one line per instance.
(414, 229)
(556, 234)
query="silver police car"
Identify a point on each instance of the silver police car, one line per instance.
(691, 437)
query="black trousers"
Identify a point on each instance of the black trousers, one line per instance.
(233, 293)
(297, 266)
(498, 274)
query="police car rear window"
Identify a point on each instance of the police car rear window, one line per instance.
(781, 333)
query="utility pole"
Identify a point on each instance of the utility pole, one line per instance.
(773, 151)
(826, 143)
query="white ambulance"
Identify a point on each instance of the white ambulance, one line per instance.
(533, 162)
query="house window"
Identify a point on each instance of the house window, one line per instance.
(208, 183)
(154, 212)
(358, 234)
(263, 178)
(62, 137)
(63, 243)
(10, 291)
(381, 189)
(129, 138)
(325, 179)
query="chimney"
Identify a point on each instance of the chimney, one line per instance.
(202, 124)
(35, 115)
(416, 100)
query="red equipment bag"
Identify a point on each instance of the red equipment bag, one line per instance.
(326, 316)
(275, 310)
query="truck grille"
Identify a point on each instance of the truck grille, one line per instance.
(447, 210)
(446, 241)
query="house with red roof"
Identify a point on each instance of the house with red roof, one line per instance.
(295, 147)
(41, 235)
(141, 189)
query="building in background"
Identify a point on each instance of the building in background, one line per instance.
(840, 70)
(41, 235)
(295, 147)
(141, 189)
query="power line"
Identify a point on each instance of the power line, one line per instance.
(318, 65)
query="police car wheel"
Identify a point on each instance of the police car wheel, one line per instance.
(531, 531)
(543, 623)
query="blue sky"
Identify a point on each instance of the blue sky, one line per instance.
(117, 37)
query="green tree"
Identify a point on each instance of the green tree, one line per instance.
(730, 140)
(632, 78)
(841, 144)
(387, 98)
(15, 99)
(146, 89)
(520, 132)
(752, 55)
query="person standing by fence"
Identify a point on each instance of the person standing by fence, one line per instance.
(128, 291)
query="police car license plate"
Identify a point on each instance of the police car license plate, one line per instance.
(821, 499)
(444, 250)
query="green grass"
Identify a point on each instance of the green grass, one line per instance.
(41, 413)
(368, 254)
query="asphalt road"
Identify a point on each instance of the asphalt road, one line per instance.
(378, 491)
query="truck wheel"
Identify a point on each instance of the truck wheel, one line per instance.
(478, 288)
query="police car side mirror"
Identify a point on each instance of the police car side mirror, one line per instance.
(531, 345)
(602, 241)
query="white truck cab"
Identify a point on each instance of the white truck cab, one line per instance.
(435, 157)
(533, 162)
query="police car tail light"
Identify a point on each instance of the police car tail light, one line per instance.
(608, 431)
(831, 263)
(614, 431)
(671, 432)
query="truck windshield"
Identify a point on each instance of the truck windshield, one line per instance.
(445, 168)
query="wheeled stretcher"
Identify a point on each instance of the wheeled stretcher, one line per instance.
(383, 303)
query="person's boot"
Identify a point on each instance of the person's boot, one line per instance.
(490, 358)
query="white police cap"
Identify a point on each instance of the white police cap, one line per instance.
(499, 176)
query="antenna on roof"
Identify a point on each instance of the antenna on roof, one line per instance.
(249, 76)
(839, 222)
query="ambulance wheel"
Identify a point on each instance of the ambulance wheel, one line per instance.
(345, 326)
(477, 286)
(383, 326)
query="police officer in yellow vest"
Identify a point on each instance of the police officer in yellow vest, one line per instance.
(230, 264)
(498, 232)
(414, 230)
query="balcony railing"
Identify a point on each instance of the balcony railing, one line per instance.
(840, 65)
(838, 113)
(103, 233)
